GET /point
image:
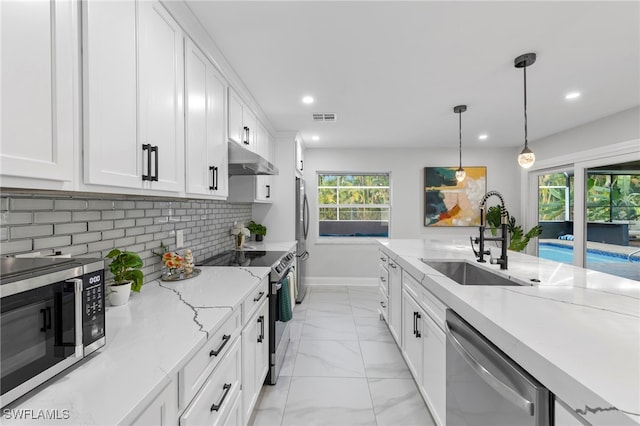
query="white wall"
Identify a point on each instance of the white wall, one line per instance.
(621, 127)
(348, 263)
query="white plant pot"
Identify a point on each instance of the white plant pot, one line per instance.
(119, 294)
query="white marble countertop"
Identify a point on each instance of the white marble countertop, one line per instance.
(148, 340)
(577, 331)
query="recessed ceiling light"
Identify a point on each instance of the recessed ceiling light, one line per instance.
(315, 138)
(572, 95)
(307, 99)
(483, 137)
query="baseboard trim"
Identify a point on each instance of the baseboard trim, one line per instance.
(341, 281)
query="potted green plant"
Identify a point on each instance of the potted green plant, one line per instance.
(127, 276)
(258, 230)
(518, 240)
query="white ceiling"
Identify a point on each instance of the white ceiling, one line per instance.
(392, 71)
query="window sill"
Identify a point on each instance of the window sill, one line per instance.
(348, 240)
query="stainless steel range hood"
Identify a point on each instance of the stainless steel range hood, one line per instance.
(245, 162)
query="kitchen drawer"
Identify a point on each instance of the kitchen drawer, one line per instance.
(194, 374)
(411, 285)
(384, 259)
(434, 307)
(383, 279)
(255, 298)
(213, 404)
(383, 306)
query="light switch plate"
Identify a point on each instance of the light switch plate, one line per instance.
(180, 238)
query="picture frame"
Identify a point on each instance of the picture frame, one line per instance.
(448, 202)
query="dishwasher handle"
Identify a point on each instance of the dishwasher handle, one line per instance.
(503, 389)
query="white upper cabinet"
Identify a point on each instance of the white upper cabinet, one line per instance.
(299, 156)
(206, 142)
(133, 96)
(242, 122)
(38, 87)
(264, 183)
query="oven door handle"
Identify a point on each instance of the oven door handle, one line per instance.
(77, 288)
(503, 389)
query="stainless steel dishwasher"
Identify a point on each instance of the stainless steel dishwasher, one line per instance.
(485, 387)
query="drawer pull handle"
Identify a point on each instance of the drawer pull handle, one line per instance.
(383, 279)
(225, 340)
(261, 321)
(257, 298)
(393, 265)
(383, 259)
(226, 387)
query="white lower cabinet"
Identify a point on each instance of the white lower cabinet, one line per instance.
(163, 410)
(395, 301)
(214, 402)
(424, 344)
(255, 357)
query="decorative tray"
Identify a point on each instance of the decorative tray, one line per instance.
(182, 276)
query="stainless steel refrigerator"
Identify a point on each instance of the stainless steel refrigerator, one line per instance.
(302, 230)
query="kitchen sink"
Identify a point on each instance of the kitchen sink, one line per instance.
(467, 273)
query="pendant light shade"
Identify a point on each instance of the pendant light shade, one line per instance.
(460, 173)
(526, 157)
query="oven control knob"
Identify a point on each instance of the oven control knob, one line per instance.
(278, 268)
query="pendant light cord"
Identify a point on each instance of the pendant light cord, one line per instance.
(526, 145)
(460, 135)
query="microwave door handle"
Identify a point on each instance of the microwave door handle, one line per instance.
(77, 288)
(503, 389)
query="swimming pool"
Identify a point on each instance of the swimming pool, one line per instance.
(564, 254)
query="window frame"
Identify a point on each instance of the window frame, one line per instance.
(339, 206)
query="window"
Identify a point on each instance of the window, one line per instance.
(353, 204)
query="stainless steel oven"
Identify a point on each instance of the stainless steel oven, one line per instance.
(51, 316)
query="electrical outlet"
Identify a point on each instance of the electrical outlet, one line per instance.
(180, 238)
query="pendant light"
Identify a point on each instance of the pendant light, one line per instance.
(526, 157)
(460, 173)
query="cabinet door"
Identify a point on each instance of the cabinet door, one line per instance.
(395, 301)
(299, 156)
(112, 155)
(206, 145)
(236, 128)
(412, 333)
(161, 83)
(163, 410)
(264, 189)
(433, 373)
(37, 130)
(255, 358)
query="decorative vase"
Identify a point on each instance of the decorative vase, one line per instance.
(239, 241)
(258, 237)
(119, 294)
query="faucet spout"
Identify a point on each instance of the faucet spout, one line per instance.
(504, 220)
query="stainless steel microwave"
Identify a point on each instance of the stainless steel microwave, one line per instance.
(52, 314)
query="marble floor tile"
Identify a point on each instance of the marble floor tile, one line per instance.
(329, 328)
(328, 401)
(322, 309)
(329, 289)
(330, 358)
(271, 403)
(383, 360)
(372, 329)
(295, 328)
(398, 402)
(289, 359)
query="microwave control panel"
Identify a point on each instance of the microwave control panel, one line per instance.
(93, 307)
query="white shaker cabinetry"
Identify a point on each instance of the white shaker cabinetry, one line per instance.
(264, 183)
(383, 287)
(242, 122)
(133, 85)
(255, 354)
(163, 410)
(38, 84)
(206, 141)
(395, 301)
(299, 155)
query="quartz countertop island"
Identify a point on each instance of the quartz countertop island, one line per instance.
(577, 331)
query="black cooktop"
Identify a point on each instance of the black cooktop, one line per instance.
(244, 258)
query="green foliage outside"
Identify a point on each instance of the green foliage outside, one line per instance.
(355, 197)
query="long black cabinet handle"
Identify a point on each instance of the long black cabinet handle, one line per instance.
(261, 321)
(225, 388)
(215, 172)
(154, 149)
(301, 165)
(259, 296)
(147, 147)
(268, 191)
(212, 169)
(225, 340)
(246, 135)
(417, 323)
